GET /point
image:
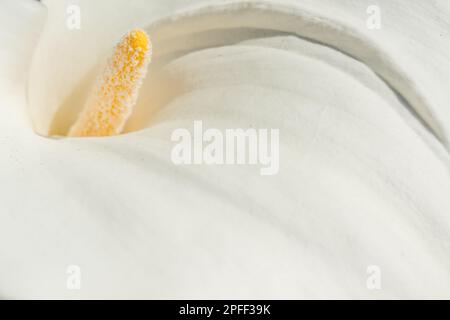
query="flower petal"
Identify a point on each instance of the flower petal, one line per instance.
(346, 31)
(361, 180)
(20, 26)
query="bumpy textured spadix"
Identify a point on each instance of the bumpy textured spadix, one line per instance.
(115, 93)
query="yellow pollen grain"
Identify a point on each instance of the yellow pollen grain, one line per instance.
(115, 93)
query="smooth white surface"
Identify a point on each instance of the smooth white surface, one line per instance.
(362, 180)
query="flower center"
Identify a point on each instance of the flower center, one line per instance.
(115, 93)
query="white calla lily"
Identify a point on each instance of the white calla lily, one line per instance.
(364, 171)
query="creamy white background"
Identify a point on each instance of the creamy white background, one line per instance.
(364, 174)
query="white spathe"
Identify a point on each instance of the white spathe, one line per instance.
(362, 181)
